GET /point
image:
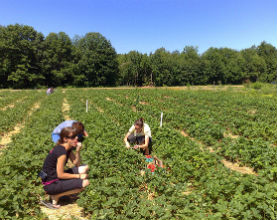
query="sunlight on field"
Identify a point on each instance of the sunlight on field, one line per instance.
(217, 145)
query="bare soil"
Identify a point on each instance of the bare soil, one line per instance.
(143, 103)
(6, 138)
(230, 135)
(67, 211)
(238, 168)
(66, 109)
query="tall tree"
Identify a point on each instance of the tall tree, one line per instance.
(58, 59)
(162, 66)
(190, 66)
(98, 60)
(253, 66)
(20, 49)
(269, 54)
(135, 69)
(223, 65)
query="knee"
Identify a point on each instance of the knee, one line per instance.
(85, 183)
(83, 169)
(86, 168)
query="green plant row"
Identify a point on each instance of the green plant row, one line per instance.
(219, 192)
(22, 160)
(9, 97)
(12, 116)
(255, 151)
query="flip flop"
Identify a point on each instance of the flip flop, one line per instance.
(49, 205)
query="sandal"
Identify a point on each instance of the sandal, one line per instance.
(49, 205)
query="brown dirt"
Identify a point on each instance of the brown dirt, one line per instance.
(143, 103)
(112, 100)
(184, 134)
(209, 87)
(144, 187)
(188, 191)
(6, 138)
(6, 107)
(12, 105)
(252, 111)
(230, 135)
(65, 212)
(99, 109)
(126, 97)
(238, 168)
(65, 109)
(134, 108)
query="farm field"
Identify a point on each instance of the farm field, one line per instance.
(219, 146)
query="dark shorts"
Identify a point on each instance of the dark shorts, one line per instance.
(61, 186)
(132, 139)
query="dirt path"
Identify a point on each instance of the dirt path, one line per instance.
(233, 166)
(6, 138)
(112, 100)
(65, 212)
(230, 135)
(12, 105)
(143, 103)
(208, 87)
(98, 109)
(66, 109)
(238, 168)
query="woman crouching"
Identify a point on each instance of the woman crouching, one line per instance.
(140, 135)
(57, 181)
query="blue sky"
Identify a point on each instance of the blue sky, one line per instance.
(146, 25)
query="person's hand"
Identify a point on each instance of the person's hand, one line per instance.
(136, 146)
(83, 176)
(79, 146)
(127, 144)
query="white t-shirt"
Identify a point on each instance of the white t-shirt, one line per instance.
(144, 132)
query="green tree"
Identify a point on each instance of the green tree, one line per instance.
(253, 66)
(98, 61)
(58, 59)
(190, 66)
(269, 54)
(135, 69)
(20, 49)
(162, 65)
(223, 65)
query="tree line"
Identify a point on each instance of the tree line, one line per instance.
(30, 60)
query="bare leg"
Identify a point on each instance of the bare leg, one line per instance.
(55, 198)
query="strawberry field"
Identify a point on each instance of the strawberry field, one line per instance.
(202, 130)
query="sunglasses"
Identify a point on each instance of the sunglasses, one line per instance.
(72, 137)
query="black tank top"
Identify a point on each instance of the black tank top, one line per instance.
(50, 163)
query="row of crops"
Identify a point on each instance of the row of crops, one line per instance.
(194, 184)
